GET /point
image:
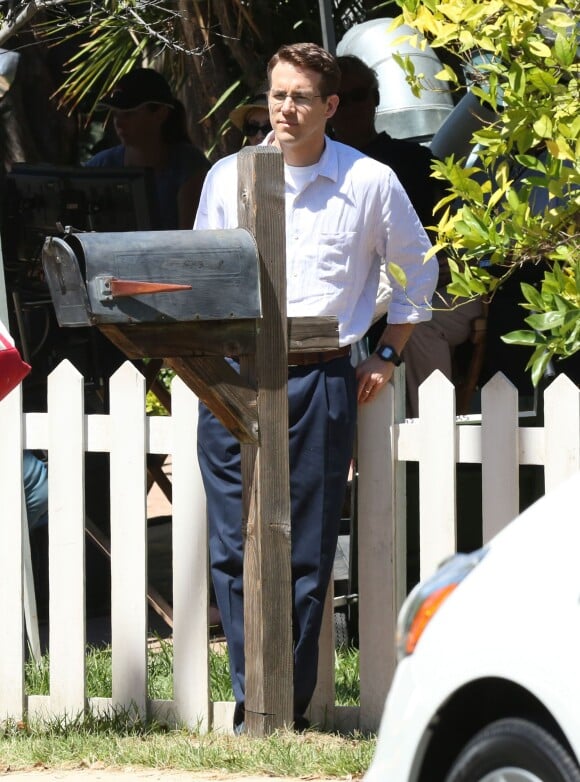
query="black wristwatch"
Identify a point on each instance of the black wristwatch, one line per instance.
(388, 353)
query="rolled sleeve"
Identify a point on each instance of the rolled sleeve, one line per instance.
(407, 246)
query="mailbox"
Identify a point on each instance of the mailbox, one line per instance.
(153, 276)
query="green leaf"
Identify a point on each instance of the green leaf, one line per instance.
(223, 97)
(532, 295)
(565, 49)
(520, 337)
(398, 274)
(562, 305)
(459, 288)
(539, 48)
(543, 126)
(517, 79)
(545, 321)
(513, 198)
(447, 74)
(433, 250)
(530, 161)
(541, 79)
(539, 366)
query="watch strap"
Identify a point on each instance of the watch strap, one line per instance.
(388, 353)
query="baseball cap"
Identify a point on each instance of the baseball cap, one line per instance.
(238, 115)
(138, 87)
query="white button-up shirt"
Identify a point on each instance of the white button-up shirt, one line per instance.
(351, 212)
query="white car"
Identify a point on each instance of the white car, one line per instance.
(487, 688)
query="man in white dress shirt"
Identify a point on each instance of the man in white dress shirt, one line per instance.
(344, 211)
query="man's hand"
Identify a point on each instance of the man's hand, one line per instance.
(372, 376)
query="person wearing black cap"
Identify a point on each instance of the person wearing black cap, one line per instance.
(150, 124)
(253, 119)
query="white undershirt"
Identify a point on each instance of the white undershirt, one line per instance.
(297, 177)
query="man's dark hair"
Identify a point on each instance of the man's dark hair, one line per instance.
(313, 58)
(350, 64)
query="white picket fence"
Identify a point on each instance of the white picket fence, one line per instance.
(437, 441)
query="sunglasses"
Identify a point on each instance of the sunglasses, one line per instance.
(253, 128)
(356, 95)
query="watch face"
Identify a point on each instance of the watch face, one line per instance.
(387, 353)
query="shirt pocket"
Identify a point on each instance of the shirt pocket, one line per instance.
(335, 253)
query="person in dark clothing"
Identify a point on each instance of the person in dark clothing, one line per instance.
(354, 124)
(431, 344)
(151, 127)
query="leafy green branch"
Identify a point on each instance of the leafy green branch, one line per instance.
(515, 201)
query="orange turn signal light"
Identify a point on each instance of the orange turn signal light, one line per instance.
(423, 616)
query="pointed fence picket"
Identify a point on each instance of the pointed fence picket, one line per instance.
(500, 456)
(437, 440)
(11, 536)
(562, 423)
(66, 446)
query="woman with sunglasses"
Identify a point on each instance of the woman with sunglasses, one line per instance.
(253, 119)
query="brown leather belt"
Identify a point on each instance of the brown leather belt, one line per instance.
(304, 359)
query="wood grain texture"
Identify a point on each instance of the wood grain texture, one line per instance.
(267, 572)
(216, 338)
(219, 386)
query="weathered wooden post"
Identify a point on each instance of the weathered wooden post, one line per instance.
(267, 573)
(192, 298)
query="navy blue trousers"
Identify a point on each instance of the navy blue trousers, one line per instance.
(322, 416)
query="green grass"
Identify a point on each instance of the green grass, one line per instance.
(311, 754)
(123, 740)
(160, 674)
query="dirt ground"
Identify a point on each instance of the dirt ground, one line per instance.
(127, 773)
(98, 775)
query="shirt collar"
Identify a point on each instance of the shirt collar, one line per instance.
(328, 163)
(327, 166)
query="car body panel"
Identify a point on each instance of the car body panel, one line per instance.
(516, 617)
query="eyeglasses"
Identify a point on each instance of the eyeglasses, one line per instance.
(300, 100)
(356, 95)
(253, 128)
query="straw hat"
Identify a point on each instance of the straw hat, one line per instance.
(238, 115)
